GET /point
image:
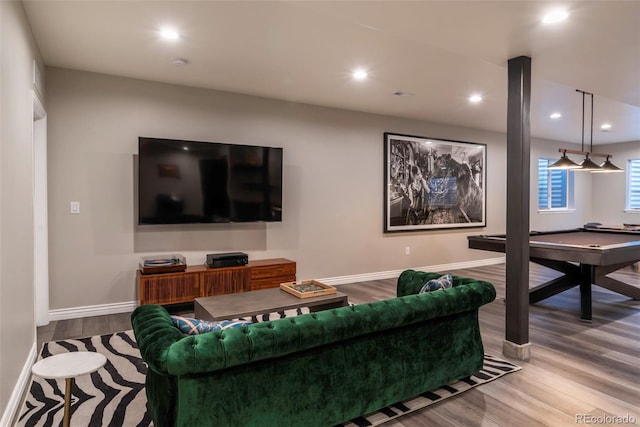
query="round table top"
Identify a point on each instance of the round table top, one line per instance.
(68, 365)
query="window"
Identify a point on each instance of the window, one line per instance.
(633, 184)
(553, 187)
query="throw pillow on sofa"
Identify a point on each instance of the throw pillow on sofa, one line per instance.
(266, 317)
(195, 326)
(443, 282)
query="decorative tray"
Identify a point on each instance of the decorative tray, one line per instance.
(307, 288)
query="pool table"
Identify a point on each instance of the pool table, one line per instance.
(584, 255)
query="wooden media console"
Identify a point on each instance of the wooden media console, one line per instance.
(201, 281)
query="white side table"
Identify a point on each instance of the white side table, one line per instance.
(68, 366)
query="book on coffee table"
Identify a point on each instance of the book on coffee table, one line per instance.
(307, 288)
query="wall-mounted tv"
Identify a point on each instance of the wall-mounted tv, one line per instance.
(190, 182)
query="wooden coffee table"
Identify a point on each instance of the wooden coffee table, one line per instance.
(247, 304)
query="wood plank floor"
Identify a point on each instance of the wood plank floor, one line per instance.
(577, 369)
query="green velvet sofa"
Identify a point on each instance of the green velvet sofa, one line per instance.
(317, 369)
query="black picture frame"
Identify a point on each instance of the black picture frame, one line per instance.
(433, 183)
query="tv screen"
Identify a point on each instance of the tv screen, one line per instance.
(186, 182)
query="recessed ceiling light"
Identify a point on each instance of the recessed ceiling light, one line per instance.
(475, 98)
(555, 115)
(185, 148)
(360, 74)
(605, 126)
(555, 16)
(169, 34)
(179, 62)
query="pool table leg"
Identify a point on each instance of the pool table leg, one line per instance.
(601, 279)
(587, 273)
(572, 277)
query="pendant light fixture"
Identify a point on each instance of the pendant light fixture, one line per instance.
(564, 162)
(607, 166)
(587, 164)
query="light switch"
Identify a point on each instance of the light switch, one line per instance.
(75, 207)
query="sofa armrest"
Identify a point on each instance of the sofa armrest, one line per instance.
(155, 333)
(411, 281)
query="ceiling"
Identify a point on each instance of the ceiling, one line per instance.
(438, 52)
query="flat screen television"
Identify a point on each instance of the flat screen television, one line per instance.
(191, 182)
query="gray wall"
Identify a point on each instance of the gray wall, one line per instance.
(333, 192)
(17, 327)
(609, 190)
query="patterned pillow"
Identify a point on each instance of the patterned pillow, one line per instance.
(442, 282)
(194, 326)
(267, 317)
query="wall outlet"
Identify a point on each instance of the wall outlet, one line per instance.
(74, 208)
(407, 250)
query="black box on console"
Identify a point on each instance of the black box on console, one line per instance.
(228, 259)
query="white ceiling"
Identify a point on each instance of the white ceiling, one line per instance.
(304, 51)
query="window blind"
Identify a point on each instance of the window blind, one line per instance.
(633, 184)
(552, 187)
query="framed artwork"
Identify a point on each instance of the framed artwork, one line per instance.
(432, 183)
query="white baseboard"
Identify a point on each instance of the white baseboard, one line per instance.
(127, 307)
(15, 400)
(390, 274)
(92, 310)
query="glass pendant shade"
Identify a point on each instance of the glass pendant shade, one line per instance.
(607, 166)
(564, 163)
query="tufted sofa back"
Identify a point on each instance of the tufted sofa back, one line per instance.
(167, 350)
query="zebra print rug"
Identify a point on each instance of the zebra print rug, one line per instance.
(112, 396)
(115, 396)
